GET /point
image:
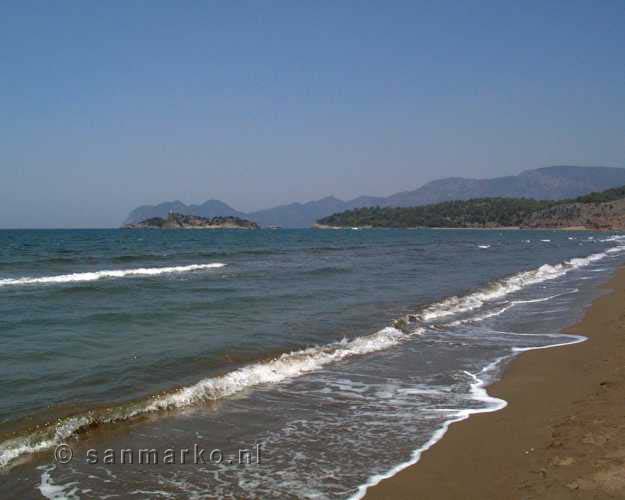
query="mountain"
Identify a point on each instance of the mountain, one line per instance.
(548, 183)
(208, 209)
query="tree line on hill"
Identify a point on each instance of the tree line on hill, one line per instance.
(478, 212)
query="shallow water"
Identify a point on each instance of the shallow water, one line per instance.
(282, 340)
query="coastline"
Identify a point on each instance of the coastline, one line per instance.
(561, 435)
(471, 228)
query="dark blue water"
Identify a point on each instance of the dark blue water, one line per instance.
(282, 339)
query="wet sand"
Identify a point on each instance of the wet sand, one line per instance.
(562, 435)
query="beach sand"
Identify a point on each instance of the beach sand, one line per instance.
(562, 435)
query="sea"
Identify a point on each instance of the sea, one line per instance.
(265, 364)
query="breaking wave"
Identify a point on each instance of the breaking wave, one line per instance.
(285, 366)
(502, 288)
(118, 273)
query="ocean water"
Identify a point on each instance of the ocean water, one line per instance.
(278, 352)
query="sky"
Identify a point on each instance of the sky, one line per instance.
(105, 106)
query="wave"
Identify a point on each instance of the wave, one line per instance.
(97, 275)
(477, 319)
(48, 260)
(502, 288)
(326, 271)
(329, 249)
(49, 489)
(478, 393)
(508, 305)
(285, 366)
(615, 237)
(544, 299)
(281, 368)
(191, 255)
(252, 251)
(497, 312)
(136, 257)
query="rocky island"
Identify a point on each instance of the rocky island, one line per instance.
(182, 221)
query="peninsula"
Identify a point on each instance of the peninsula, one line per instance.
(600, 211)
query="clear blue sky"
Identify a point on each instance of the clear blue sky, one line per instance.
(108, 105)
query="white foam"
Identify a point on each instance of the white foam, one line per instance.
(546, 241)
(40, 441)
(502, 288)
(284, 367)
(482, 317)
(615, 237)
(483, 246)
(54, 491)
(479, 393)
(117, 273)
(545, 299)
(574, 339)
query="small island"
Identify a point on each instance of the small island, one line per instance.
(182, 221)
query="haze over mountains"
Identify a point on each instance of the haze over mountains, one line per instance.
(548, 183)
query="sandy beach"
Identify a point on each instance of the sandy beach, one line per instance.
(562, 435)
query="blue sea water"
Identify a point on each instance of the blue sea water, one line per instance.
(285, 340)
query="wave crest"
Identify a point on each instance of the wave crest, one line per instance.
(285, 366)
(499, 289)
(118, 273)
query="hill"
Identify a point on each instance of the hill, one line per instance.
(548, 183)
(598, 211)
(210, 208)
(182, 221)
(599, 216)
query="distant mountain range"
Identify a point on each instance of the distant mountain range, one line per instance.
(548, 183)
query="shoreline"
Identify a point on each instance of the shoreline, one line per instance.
(560, 436)
(324, 227)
